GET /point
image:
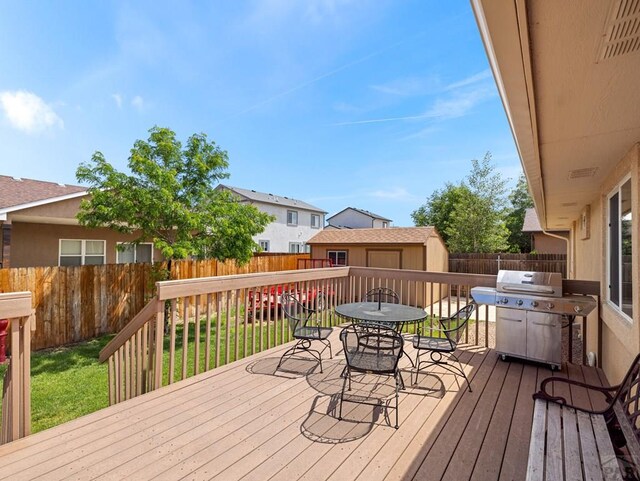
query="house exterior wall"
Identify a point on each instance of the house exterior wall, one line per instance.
(620, 337)
(353, 219)
(378, 223)
(279, 234)
(545, 244)
(38, 244)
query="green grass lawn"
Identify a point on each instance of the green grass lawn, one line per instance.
(69, 382)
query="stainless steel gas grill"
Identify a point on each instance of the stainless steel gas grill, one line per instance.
(529, 314)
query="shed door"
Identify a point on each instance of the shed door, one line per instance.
(384, 259)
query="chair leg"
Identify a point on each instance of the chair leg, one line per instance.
(417, 366)
(397, 396)
(461, 370)
(344, 384)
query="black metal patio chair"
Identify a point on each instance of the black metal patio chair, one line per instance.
(379, 353)
(305, 326)
(382, 294)
(442, 343)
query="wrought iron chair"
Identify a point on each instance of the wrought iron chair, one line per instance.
(443, 342)
(383, 294)
(305, 327)
(378, 354)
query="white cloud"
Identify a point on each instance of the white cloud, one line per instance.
(28, 112)
(409, 86)
(397, 193)
(118, 99)
(485, 74)
(137, 102)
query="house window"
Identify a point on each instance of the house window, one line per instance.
(337, 258)
(385, 224)
(78, 252)
(292, 217)
(133, 253)
(264, 245)
(296, 247)
(620, 276)
(315, 221)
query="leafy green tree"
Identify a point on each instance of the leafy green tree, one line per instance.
(477, 221)
(170, 199)
(520, 200)
(439, 207)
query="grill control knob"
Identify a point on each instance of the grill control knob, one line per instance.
(504, 300)
(534, 303)
(550, 305)
(578, 309)
(519, 302)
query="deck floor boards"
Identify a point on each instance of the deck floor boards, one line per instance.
(244, 421)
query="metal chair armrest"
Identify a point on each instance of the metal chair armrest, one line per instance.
(543, 394)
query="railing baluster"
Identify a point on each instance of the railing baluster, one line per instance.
(218, 323)
(207, 336)
(227, 329)
(245, 344)
(196, 346)
(237, 326)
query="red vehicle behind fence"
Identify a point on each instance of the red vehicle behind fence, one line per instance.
(261, 302)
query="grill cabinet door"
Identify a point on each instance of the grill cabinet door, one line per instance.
(544, 337)
(511, 331)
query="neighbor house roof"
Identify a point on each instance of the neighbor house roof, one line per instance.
(271, 199)
(392, 235)
(18, 193)
(531, 222)
(362, 211)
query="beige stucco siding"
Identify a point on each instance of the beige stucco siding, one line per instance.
(620, 336)
(38, 244)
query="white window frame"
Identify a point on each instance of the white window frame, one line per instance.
(315, 216)
(83, 251)
(346, 257)
(267, 243)
(617, 190)
(135, 253)
(299, 245)
(385, 224)
(296, 215)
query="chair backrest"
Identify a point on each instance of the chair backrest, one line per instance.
(296, 313)
(382, 294)
(364, 346)
(453, 326)
(628, 395)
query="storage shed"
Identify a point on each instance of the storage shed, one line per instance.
(415, 248)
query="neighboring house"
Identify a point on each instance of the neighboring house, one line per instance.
(414, 248)
(296, 221)
(353, 218)
(39, 228)
(568, 75)
(542, 242)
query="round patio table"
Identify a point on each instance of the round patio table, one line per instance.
(381, 312)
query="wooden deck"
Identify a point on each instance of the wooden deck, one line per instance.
(243, 421)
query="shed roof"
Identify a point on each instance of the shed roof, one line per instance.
(389, 235)
(362, 211)
(532, 223)
(15, 192)
(271, 199)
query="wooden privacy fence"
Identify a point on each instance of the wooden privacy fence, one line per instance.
(78, 303)
(492, 263)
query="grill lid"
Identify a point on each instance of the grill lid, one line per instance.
(547, 284)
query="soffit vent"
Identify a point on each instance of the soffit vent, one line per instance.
(622, 30)
(582, 173)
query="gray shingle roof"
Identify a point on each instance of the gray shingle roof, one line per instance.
(362, 211)
(15, 192)
(271, 199)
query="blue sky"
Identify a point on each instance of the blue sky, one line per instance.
(372, 104)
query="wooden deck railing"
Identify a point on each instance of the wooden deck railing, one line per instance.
(195, 325)
(210, 322)
(16, 389)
